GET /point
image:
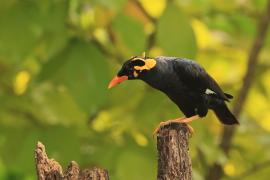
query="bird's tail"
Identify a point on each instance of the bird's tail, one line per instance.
(224, 115)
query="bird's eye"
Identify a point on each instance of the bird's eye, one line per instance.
(138, 63)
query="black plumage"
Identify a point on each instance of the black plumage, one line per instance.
(185, 82)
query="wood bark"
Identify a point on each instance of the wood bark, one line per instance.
(49, 169)
(174, 162)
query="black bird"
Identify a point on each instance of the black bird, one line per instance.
(184, 81)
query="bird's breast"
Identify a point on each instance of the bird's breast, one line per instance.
(165, 83)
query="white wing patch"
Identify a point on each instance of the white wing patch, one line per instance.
(209, 91)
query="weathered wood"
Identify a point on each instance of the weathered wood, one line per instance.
(94, 174)
(174, 162)
(49, 169)
(72, 172)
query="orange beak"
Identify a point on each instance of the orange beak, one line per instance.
(117, 80)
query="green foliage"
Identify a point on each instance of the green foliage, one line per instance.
(140, 164)
(175, 35)
(57, 56)
(80, 67)
(131, 34)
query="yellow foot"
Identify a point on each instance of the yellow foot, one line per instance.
(178, 120)
(162, 124)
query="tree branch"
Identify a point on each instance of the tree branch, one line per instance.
(215, 171)
(173, 157)
(151, 40)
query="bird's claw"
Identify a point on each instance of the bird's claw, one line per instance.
(160, 125)
(190, 130)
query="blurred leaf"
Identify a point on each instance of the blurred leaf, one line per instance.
(203, 35)
(21, 82)
(102, 121)
(221, 22)
(15, 112)
(259, 5)
(80, 67)
(244, 24)
(2, 170)
(140, 139)
(175, 35)
(262, 105)
(224, 7)
(62, 144)
(130, 34)
(140, 168)
(265, 83)
(222, 60)
(87, 18)
(154, 7)
(55, 106)
(229, 169)
(60, 80)
(115, 4)
(20, 28)
(13, 142)
(27, 24)
(148, 118)
(55, 29)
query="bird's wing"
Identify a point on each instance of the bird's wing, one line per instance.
(196, 78)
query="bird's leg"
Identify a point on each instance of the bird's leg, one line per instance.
(187, 120)
(178, 120)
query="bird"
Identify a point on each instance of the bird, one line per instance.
(184, 81)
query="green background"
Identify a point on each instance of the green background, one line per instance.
(58, 56)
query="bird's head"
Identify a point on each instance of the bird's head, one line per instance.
(134, 68)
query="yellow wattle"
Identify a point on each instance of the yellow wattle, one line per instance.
(149, 64)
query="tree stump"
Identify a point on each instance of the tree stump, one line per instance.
(174, 162)
(49, 169)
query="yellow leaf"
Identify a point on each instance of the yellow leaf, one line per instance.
(102, 122)
(21, 82)
(261, 113)
(266, 80)
(265, 122)
(202, 33)
(140, 139)
(154, 7)
(229, 169)
(87, 18)
(101, 35)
